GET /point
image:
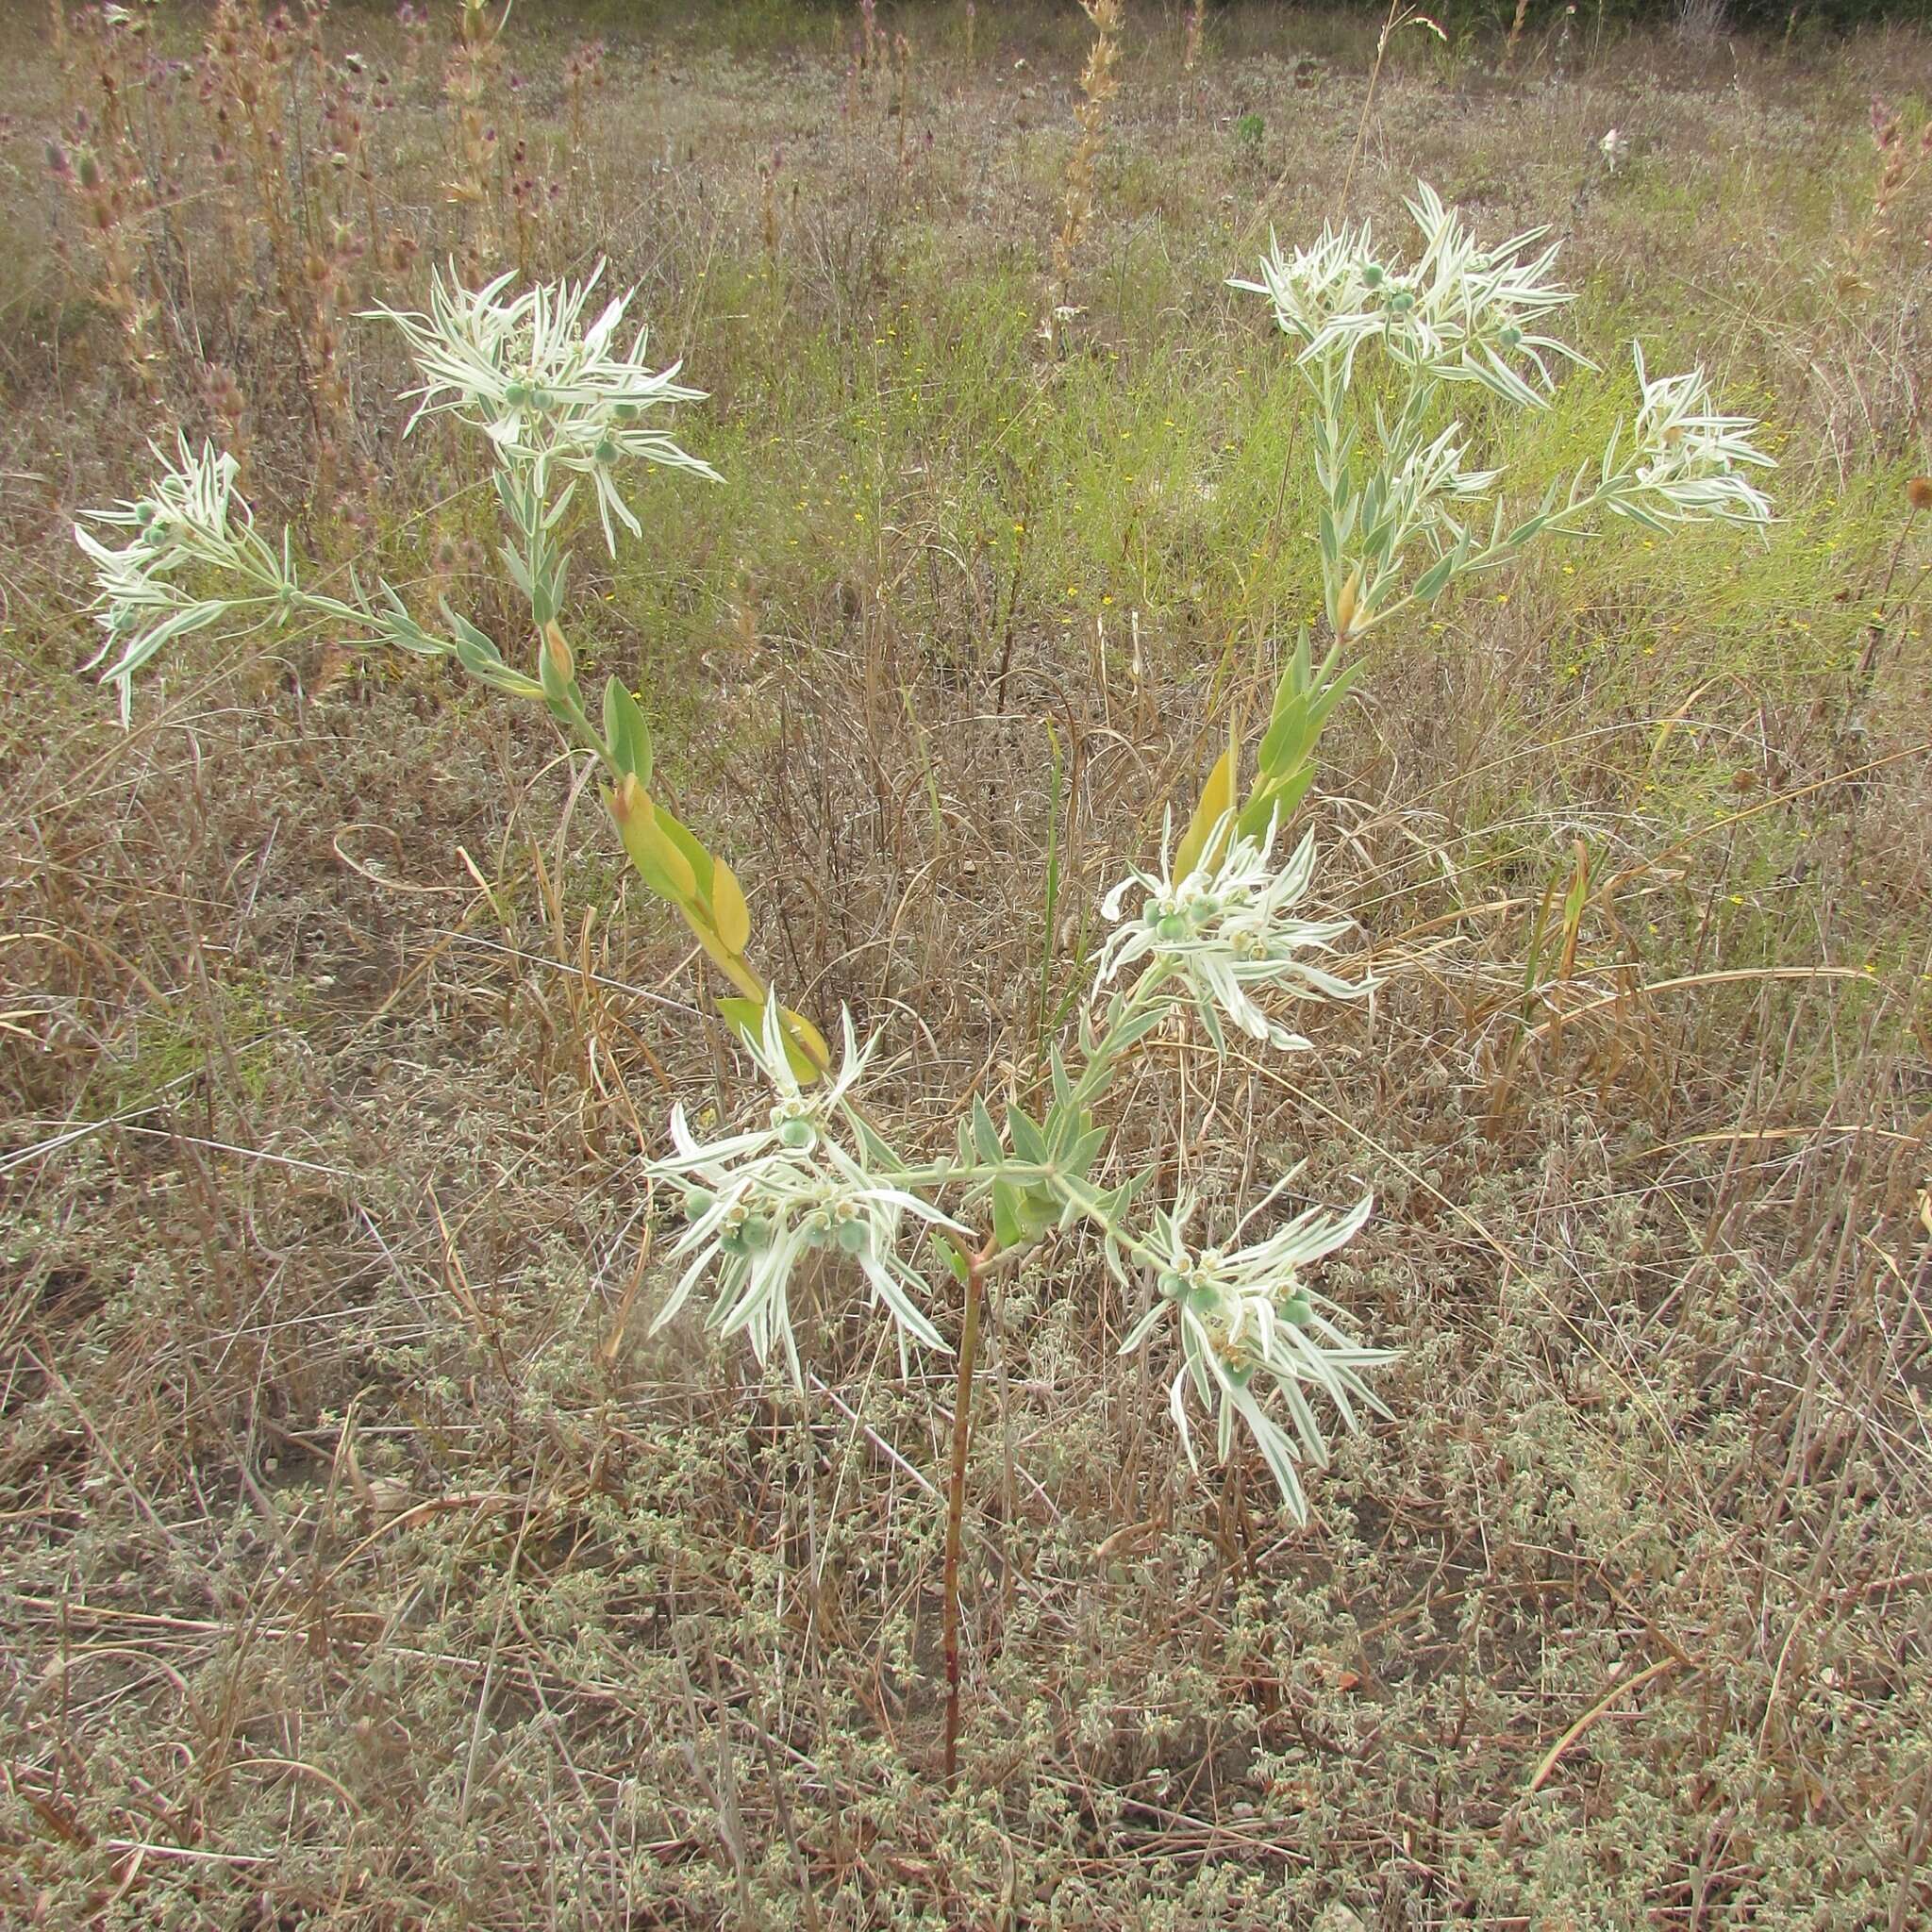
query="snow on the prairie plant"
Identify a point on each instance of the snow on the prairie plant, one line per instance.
(1411, 502)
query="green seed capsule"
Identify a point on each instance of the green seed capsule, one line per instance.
(608, 452)
(1402, 302)
(854, 1237)
(1171, 1285)
(1296, 1308)
(798, 1134)
(1509, 337)
(1372, 275)
(516, 393)
(697, 1203)
(1170, 927)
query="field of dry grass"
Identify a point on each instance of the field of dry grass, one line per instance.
(365, 1564)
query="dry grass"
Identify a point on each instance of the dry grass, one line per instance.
(363, 1565)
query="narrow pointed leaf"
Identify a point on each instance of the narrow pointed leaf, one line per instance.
(1278, 802)
(1029, 1143)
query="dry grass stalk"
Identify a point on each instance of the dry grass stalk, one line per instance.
(413, 19)
(1099, 83)
(1700, 22)
(228, 409)
(1901, 161)
(583, 76)
(1196, 27)
(468, 87)
(1514, 35)
(247, 63)
(769, 219)
(1401, 15)
(101, 166)
(902, 87)
(317, 213)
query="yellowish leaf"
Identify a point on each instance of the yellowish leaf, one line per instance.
(728, 908)
(729, 963)
(1346, 603)
(1217, 798)
(747, 1019)
(688, 842)
(659, 863)
(807, 1036)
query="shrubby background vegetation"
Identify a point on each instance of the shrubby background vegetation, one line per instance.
(364, 1564)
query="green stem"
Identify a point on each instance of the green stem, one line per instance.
(1087, 1200)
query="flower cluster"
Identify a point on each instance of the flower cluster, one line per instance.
(190, 519)
(544, 387)
(1314, 289)
(760, 1202)
(1463, 312)
(1245, 1313)
(1466, 313)
(1225, 931)
(1690, 458)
